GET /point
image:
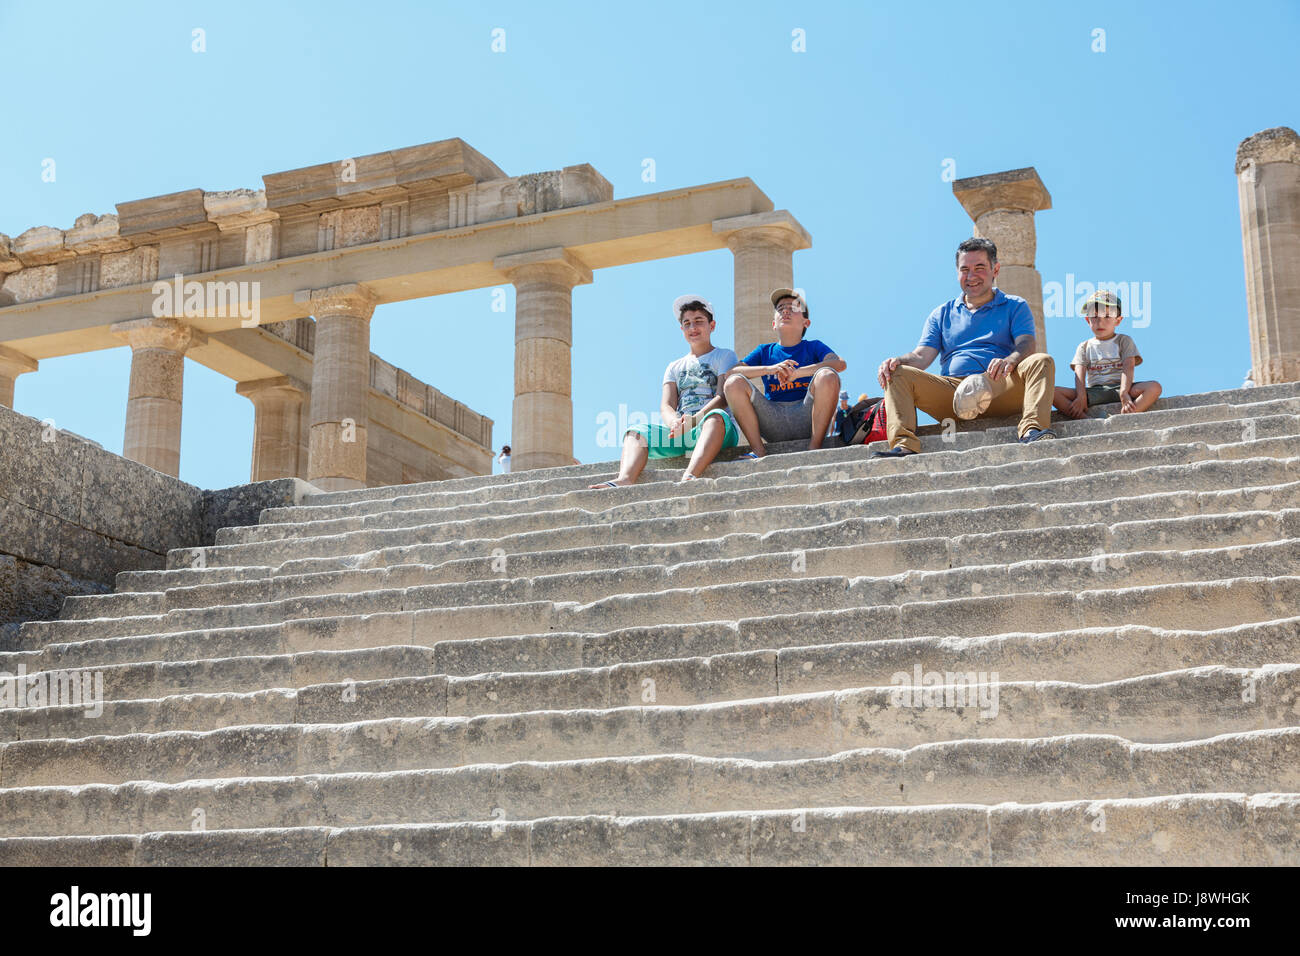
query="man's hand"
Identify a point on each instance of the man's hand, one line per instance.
(887, 369)
(1001, 367)
(1126, 403)
(679, 426)
(1079, 407)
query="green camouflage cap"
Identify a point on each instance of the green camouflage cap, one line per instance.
(1101, 297)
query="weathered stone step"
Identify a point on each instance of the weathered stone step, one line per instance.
(629, 596)
(1228, 424)
(468, 641)
(1186, 403)
(161, 580)
(1233, 829)
(1213, 487)
(653, 501)
(632, 523)
(128, 706)
(405, 681)
(1062, 768)
(146, 680)
(1179, 705)
(887, 549)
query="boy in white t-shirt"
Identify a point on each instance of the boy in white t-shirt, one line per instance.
(694, 411)
(1103, 365)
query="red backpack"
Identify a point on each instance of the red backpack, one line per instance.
(864, 423)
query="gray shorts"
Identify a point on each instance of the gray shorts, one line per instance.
(1102, 395)
(781, 421)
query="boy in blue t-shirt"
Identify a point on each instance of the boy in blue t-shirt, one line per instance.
(785, 390)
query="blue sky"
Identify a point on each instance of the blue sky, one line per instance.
(1136, 146)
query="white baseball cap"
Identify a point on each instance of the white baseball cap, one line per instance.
(972, 397)
(682, 301)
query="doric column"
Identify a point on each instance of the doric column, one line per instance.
(340, 387)
(1268, 184)
(153, 406)
(12, 364)
(542, 430)
(762, 246)
(277, 405)
(1002, 206)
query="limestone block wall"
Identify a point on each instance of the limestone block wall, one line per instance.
(73, 515)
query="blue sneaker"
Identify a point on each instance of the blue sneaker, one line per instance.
(1036, 434)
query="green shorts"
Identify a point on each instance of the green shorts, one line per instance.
(663, 445)
(1103, 395)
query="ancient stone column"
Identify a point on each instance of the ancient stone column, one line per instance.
(1268, 185)
(762, 246)
(1002, 206)
(340, 387)
(153, 407)
(542, 429)
(277, 404)
(12, 364)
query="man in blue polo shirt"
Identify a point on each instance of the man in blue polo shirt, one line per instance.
(982, 330)
(785, 390)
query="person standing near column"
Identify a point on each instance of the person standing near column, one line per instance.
(504, 459)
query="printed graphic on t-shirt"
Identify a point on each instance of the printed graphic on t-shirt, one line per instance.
(698, 378)
(805, 352)
(1103, 361)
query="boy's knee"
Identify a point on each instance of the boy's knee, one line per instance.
(736, 386)
(826, 378)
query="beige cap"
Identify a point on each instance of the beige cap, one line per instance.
(779, 294)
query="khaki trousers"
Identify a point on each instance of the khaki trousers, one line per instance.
(1027, 390)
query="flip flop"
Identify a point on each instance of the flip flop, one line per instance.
(611, 484)
(749, 456)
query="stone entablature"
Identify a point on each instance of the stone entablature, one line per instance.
(370, 199)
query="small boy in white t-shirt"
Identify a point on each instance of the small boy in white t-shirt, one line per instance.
(1103, 365)
(694, 412)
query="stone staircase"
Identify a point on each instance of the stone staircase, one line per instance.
(516, 670)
